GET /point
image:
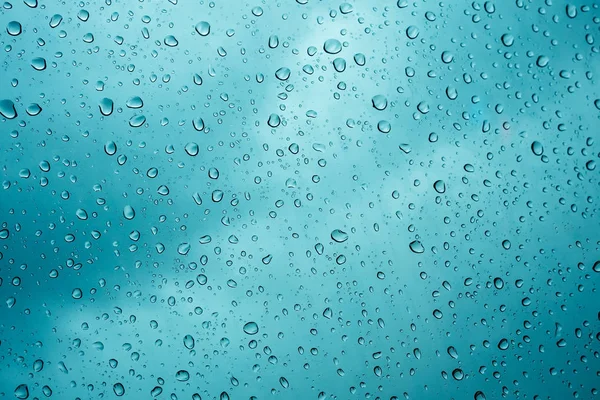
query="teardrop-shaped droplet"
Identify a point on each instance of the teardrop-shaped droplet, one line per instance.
(128, 212)
(110, 148)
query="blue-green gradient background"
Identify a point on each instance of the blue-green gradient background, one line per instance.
(356, 319)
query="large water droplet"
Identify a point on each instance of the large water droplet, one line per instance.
(416, 247)
(507, 39)
(189, 342)
(379, 102)
(339, 236)
(14, 28)
(251, 328)
(439, 186)
(22, 392)
(537, 148)
(182, 375)
(134, 102)
(110, 148)
(119, 389)
(283, 73)
(542, 61)
(7, 109)
(128, 212)
(106, 106)
(38, 63)
(332, 46)
(412, 32)
(170, 41)
(203, 28)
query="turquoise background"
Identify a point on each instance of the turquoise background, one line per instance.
(482, 286)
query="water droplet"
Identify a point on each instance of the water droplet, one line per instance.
(38, 63)
(339, 236)
(106, 106)
(339, 64)
(22, 392)
(110, 148)
(77, 294)
(416, 247)
(542, 61)
(447, 57)
(128, 212)
(206, 239)
(506, 244)
(189, 342)
(332, 46)
(184, 248)
(507, 39)
(119, 389)
(571, 11)
(170, 41)
(283, 73)
(379, 102)
(257, 11)
(134, 102)
(33, 109)
(384, 126)
(14, 28)
(360, 59)
(274, 120)
(346, 8)
(458, 374)
(412, 32)
(192, 149)
(7, 109)
(284, 382)
(81, 214)
(251, 328)
(182, 375)
(203, 28)
(503, 344)
(55, 20)
(479, 395)
(452, 352)
(137, 120)
(537, 148)
(439, 186)
(498, 283)
(198, 124)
